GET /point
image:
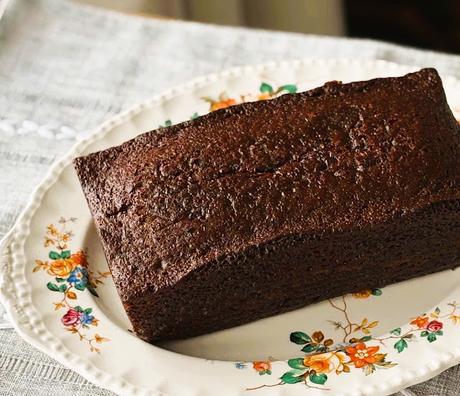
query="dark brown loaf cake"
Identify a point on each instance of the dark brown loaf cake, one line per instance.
(265, 207)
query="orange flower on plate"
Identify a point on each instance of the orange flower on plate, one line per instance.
(325, 362)
(222, 104)
(362, 294)
(361, 355)
(79, 258)
(420, 321)
(61, 268)
(262, 367)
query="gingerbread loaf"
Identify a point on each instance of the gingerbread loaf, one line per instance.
(264, 207)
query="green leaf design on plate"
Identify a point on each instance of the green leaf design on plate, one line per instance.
(266, 88)
(365, 339)
(309, 348)
(194, 115)
(52, 286)
(400, 345)
(63, 288)
(291, 88)
(78, 308)
(54, 255)
(376, 292)
(88, 310)
(59, 279)
(80, 286)
(168, 123)
(296, 363)
(431, 337)
(439, 332)
(65, 254)
(396, 331)
(292, 377)
(299, 338)
(268, 372)
(319, 379)
(424, 333)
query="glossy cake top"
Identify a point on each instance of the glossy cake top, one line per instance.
(338, 157)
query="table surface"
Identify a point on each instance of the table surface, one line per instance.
(66, 67)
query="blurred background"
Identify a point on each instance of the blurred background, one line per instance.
(426, 24)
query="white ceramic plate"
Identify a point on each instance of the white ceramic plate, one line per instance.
(405, 333)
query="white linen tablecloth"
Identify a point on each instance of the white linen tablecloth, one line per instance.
(64, 68)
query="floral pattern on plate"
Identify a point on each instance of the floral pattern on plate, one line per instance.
(357, 348)
(266, 91)
(71, 275)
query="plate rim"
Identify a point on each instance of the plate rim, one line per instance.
(10, 255)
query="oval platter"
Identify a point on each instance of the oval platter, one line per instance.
(57, 289)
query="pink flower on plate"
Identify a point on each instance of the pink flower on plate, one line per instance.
(434, 326)
(71, 318)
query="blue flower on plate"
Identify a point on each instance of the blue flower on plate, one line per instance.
(79, 278)
(86, 319)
